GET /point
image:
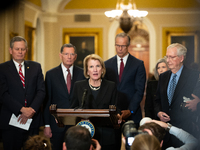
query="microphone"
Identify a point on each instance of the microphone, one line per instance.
(83, 98)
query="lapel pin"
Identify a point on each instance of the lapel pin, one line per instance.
(27, 67)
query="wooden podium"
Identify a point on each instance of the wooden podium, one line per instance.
(99, 117)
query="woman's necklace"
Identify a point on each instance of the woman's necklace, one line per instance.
(92, 87)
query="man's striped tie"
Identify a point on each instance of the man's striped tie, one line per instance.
(21, 75)
(22, 79)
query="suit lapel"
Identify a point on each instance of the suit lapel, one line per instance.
(165, 85)
(181, 82)
(61, 79)
(114, 64)
(126, 68)
(15, 74)
(89, 95)
(102, 93)
(74, 77)
(27, 70)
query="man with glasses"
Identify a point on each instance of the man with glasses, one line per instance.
(129, 74)
(59, 85)
(175, 86)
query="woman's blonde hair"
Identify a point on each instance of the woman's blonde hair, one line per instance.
(94, 57)
(145, 142)
(162, 60)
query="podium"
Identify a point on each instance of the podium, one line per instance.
(99, 117)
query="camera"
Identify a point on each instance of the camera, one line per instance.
(183, 108)
(129, 131)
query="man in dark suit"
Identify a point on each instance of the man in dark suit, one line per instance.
(194, 104)
(59, 92)
(22, 93)
(129, 75)
(132, 83)
(82, 136)
(174, 86)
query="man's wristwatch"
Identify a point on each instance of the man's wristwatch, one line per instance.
(168, 127)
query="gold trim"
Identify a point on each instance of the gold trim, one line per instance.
(29, 36)
(167, 31)
(84, 32)
(187, 34)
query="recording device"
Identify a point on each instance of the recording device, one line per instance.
(182, 106)
(129, 132)
(83, 98)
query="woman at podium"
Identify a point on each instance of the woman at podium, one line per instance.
(96, 93)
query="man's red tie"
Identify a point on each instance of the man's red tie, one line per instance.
(121, 70)
(22, 79)
(68, 80)
(21, 75)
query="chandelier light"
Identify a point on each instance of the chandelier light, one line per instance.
(126, 14)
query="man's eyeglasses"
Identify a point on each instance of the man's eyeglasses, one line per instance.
(71, 54)
(122, 46)
(171, 57)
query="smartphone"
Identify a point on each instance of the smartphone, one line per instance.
(130, 140)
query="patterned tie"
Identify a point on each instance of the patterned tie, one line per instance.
(22, 79)
(172, 86)
(21, 75)
(121, 70)
(68, 80)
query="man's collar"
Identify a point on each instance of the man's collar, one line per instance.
(64, 68)
(17, 64)
(125, 57)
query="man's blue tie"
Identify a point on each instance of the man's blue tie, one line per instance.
(172, 87)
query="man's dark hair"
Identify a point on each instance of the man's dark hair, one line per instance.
(68, 45)
(77, 138)
(156, 130)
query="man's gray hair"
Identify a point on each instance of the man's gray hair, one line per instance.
(123, 35)
(181, 50)
(18, 39)
(68, 45)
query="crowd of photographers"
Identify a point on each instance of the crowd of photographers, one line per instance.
(149, 136)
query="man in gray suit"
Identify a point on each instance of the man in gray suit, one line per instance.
(59, 85)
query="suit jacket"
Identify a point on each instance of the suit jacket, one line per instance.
(185, 86)
(132, 85)
(106, 96)
(150, 99)
(13, 95)
(197, 93)
(57, 92)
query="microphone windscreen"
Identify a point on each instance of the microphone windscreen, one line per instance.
(143, 121)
